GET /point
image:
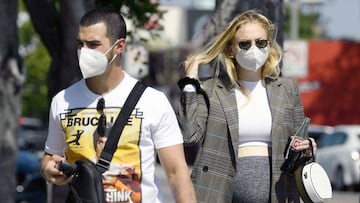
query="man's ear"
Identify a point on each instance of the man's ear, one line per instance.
(120, 45)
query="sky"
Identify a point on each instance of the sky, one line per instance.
(342, 18)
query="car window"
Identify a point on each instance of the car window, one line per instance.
(339, 138)
(333, 139)
(315, 135)
(324, 141)
(31, 134)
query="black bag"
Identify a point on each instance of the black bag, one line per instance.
(86, 185)
(293, 158)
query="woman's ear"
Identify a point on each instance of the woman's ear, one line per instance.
(229, 51)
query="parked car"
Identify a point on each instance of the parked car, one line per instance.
(339, 154)
(31, 134)
(31, 186)
(317, 131)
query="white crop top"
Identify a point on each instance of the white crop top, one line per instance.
(254, 115)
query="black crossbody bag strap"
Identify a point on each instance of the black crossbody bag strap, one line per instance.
(115, 132)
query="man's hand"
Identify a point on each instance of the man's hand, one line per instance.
(50, 170)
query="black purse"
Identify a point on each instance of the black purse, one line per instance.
(86, 185)
(293, 158)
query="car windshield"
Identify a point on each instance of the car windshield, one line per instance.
(332, 139)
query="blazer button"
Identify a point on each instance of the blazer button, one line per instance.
(205, 168)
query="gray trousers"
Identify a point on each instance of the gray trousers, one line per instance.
(252, 180)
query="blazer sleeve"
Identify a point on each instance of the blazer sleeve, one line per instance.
(299, 108)
(192, 116)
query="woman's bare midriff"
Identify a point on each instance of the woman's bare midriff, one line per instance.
(254, 151)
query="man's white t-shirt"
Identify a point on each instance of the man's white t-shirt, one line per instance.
(152, 125)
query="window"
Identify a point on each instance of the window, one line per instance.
(337, 138)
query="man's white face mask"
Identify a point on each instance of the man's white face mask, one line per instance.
(93, 62)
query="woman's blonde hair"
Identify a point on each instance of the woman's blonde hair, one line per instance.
(218, 48)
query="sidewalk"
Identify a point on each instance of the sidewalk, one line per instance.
(164, 184)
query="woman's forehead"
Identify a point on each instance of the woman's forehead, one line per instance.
(251, 30)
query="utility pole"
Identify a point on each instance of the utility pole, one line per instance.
(295, 6)
(294, 19)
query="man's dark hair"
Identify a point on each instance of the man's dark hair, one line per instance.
(114, 22)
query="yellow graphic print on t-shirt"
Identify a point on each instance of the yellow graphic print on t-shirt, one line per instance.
(122, 180)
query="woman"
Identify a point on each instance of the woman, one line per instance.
(243, 117)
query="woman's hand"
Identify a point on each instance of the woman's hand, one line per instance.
(301, 145)
(192, 66)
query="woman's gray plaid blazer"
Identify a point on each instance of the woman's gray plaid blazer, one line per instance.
(216, 133)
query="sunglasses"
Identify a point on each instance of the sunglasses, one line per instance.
(102, 119)
(246, 44)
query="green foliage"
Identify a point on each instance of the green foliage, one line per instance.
(308, 23)
(36, 63)
(21, 5)
(144, 15)
(35, 102)
(26, 33)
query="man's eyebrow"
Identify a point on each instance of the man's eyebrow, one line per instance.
(89, 41)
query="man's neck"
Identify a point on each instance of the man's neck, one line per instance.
(106, 82)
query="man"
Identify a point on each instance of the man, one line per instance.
(86, 111)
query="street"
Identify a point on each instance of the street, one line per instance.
(164, 184)
(338, 196)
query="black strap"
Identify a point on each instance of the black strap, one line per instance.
(312, 150)
(186, 80)
(115, 133)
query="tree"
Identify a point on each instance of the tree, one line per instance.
(227, 9)
(11, 80)
(56, 23)
(308, 24)
(37, 61)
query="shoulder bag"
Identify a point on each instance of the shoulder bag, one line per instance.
(312, 181)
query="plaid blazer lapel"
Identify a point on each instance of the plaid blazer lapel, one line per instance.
(228, 102)
(275, 93)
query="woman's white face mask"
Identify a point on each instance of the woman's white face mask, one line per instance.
(93, 62)
(253, 58)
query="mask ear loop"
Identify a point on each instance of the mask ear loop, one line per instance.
(113, 58)
(112, 46)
